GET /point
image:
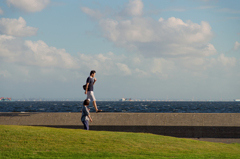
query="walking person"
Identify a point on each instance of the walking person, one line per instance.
(86, 115)
(91, 80)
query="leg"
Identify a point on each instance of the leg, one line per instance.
(95, 105)
(85, 124)
(92, 97)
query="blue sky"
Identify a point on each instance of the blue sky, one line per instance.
(140, 49)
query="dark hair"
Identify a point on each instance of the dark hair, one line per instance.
(92, 72)
(86, 102)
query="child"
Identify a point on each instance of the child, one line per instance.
(85, 115)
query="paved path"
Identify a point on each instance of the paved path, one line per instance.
(214, 127)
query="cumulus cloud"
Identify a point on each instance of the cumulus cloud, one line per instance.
(236, 45)
(44, 55)
(133, 8)
(158, 38)
(15, 50)
(29, 5)
(16, 27)
(171, 37)
(32, 59)
(38, 54)
(161, 67)
(92, 13)
(227, 61)
(124, 68)
(108, 63)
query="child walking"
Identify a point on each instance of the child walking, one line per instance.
(86, 115)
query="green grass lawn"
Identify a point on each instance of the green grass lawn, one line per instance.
(43, 142)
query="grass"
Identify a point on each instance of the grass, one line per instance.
(43, 142)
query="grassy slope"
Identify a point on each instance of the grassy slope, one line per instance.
(36, 142)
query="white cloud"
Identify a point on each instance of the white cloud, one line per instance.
(6, 37)
(16, 27)
(1, 11)
(29, 5)
(156, 38)
(161, 67)
(39, 55)
(227, 61)
(44, 55)
(107, 64)
(236, 45)
(141, 73)
(15, 50)
(171, 37)
(134, 8)
(92, 13)
(124, 69)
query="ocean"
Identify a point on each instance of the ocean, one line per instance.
(125, 107)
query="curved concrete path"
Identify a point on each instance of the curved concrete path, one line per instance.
(187, 125)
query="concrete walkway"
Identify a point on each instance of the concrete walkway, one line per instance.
(214, 127)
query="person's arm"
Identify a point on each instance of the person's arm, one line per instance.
(90, 118)
(86, 88)
(94, 81)
(88, 114)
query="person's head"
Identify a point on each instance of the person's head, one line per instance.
(92, 73)
(86, 102)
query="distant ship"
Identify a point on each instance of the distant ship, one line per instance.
(125, 99)
(237, 100)
(5, 99)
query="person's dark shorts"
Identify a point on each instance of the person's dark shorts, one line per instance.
(85, 124)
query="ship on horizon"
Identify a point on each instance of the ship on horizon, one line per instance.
(125, 99)
(5, 99)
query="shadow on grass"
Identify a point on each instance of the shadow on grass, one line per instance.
(175, 131)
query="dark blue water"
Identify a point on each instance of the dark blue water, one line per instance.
(111, 106)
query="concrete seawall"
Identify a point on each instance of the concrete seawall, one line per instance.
(192, 125)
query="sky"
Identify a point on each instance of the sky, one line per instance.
(168, 49)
